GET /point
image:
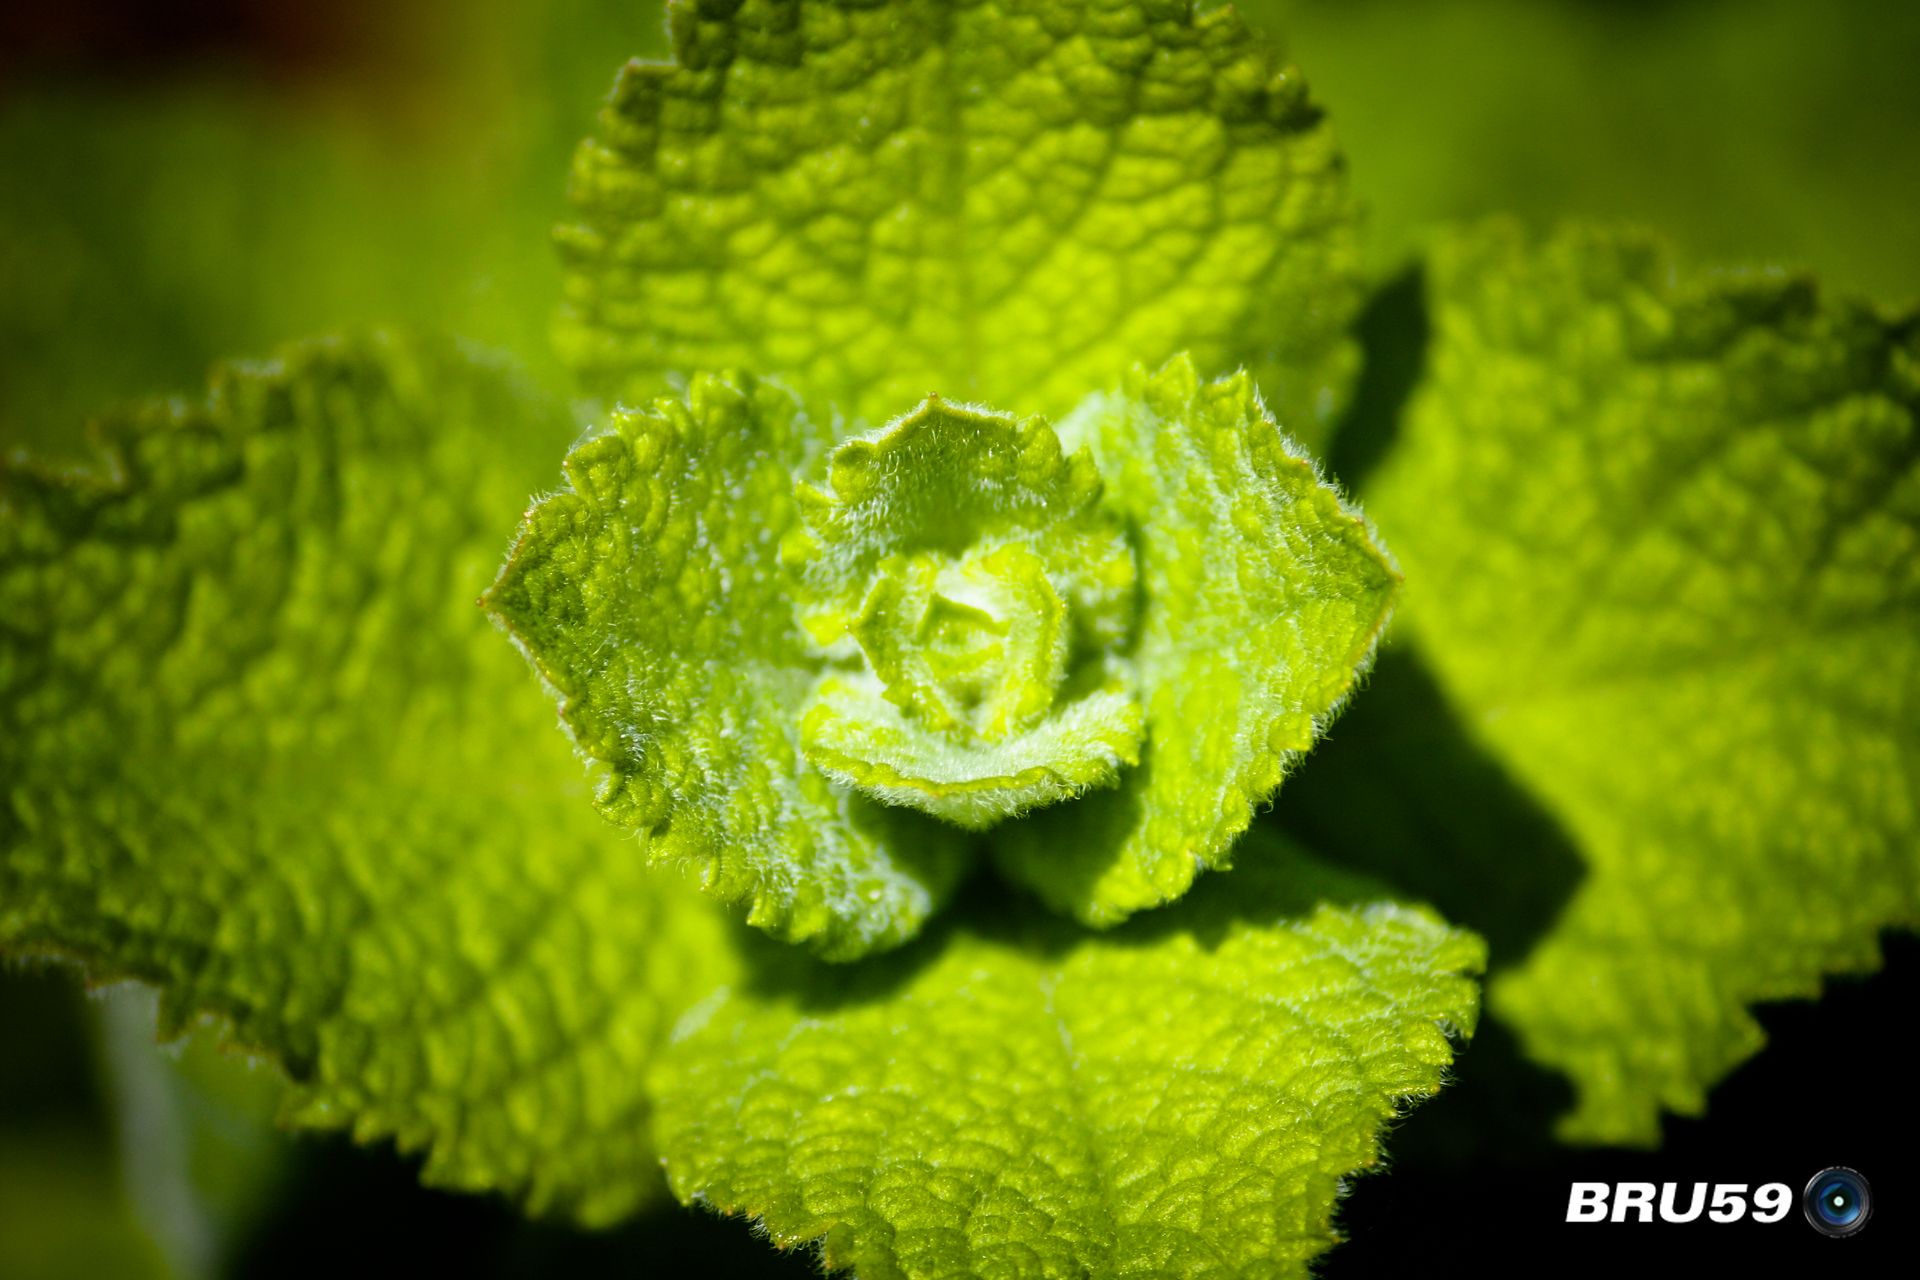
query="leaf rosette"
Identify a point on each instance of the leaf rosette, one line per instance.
(990, 614)
(815, 666)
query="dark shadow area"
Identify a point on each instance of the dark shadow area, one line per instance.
(1393, 332)
(779, 970)
(359, 1211)
(1830, 1088)
(1399, 790)
(1498, 1106)
(1272, 878)
(1076, 843)
(46, 1068)
(140, 37)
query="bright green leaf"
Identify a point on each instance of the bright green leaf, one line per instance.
(1262, 594)
(650, 594)
(260, 749)
(1013, 1096)
(1010, 201)
(263, 752)
(854, 735)
(1665, 539)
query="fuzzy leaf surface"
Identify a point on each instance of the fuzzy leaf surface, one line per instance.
(651, 595)
(1262, 596)
(1014, 1096)
(966, 556)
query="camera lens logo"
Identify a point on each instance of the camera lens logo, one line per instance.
(1837, 1202)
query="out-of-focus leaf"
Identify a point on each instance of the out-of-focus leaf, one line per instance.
(199, 1155)
(1665, 532)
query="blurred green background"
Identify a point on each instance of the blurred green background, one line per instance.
(1748, 130)
(182, 182)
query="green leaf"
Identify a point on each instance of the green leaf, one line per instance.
(967, 560)
(1009, 201)
(651, 596)
(1012, 1096)
(260, 749)
(1262, 595)
(1665, 533)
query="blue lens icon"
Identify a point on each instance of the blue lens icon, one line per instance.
(1837, 1202)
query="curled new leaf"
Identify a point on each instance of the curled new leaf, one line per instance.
(811, 666)
(989, 610)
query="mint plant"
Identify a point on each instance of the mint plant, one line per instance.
(939, 587)
(818, 695)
